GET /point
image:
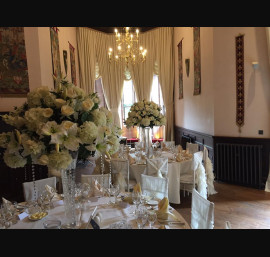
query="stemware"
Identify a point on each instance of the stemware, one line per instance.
(116, 192)
(141, 217)
(86, 190)
(152, 216)
(136, 199)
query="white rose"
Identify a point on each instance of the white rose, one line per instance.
(67, 110)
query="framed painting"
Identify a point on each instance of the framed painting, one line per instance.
(197, 60)
(55, 53)
(14, 79)
(72, 64)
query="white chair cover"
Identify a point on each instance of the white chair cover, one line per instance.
(192, 148)
(104, 180)
(154, 186)
(202, 212)
(209, 172)
(198, 177)
(120, 167)
(157, 167)
(29, 191)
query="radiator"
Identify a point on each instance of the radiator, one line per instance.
(239, 164)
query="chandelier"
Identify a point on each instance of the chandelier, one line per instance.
(128, 49)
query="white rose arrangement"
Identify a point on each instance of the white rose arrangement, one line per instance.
(52, 124)
(145, 114)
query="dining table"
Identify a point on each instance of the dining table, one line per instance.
(175, 170)
(110, 215)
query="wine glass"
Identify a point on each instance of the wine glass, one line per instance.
(86, 189)
(136, 199)
(141, 217)
(152, 217)
(116, 192)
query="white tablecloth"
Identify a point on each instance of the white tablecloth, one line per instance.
(175, 169)
(109, 213)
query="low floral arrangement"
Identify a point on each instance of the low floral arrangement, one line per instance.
(51, 125)
(145, 114)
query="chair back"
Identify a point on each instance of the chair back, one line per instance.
(202, 212)
(192, 148)
(167, 145)
(154, 186)
(157, 167)
(104, 180)
(120, 167)
(38, 185)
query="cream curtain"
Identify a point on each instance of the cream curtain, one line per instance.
(93, 49)
(86, 41)
(113, 75)
(142, 73)
(165, 62)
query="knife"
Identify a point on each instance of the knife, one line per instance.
(91, 218)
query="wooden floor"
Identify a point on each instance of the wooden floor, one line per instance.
(245, 208)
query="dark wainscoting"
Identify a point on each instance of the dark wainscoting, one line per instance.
(11, 179)
(183, 135)
(236, 160)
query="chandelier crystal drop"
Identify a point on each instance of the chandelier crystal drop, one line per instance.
(127, 47)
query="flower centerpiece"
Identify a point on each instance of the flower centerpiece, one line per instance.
(58, 128)
(52, 124)
(145, 115)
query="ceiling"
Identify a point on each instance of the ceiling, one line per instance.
(111, 29)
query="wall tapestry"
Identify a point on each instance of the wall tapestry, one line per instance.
(14, 80)
(240, 86)
(65, 60)
(55, 53)
(72, 64)
(197, 60)
(180, 69)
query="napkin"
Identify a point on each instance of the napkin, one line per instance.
(163, 209)
(98, 218)
(51, 191)
(98, 190)
(180, 148)
(5, 201)
(137, 188)
(131, 160)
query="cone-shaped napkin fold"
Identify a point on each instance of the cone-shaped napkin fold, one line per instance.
(137, 188)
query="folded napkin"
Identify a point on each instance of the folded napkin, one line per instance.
(137, 188)
(51, 191)
(5, 201)
(131, 159)
(98, 190)
(180, 148)
(163, 209)
(98, 218)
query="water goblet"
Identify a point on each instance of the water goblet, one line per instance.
(152, 216)
(116, 192)
(141, 217)
(136, 199)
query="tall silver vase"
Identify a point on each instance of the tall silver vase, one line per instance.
(68, 183)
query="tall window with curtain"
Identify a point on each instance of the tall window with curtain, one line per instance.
(156, 96)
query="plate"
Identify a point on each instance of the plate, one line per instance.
(37, 216)
(152, 202)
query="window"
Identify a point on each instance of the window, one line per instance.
(128, 99)
(100, 92)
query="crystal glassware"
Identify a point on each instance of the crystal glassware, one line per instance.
(141, 217)
(152, 217)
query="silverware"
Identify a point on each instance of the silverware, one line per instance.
(91, 217)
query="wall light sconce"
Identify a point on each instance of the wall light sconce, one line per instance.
(255, 65)
(187, 62)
